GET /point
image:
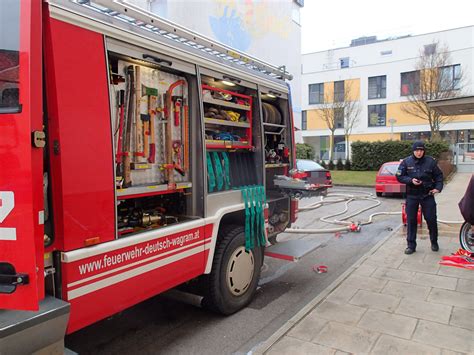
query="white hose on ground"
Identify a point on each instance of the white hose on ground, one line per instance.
(348, 226)
(449, 222)
(378, 214)
(342, 221)
(316, 231)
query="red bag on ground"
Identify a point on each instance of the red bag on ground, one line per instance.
(462, 259)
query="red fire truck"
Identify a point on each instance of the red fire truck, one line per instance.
(135, 156)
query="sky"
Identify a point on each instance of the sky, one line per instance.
(334, 23)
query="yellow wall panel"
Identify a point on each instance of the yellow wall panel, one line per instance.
(394, 110)
(354, 85)
(374, 137)
(329, 91)
(463, 118)
(314, 120)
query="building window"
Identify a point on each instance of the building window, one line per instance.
(344, 62)
(316, 93)
(450, 77)
(378, 87)
(339, 91)
(377, 115)
(410, 83)
(339, 117)
(304, 121)
(430, 49)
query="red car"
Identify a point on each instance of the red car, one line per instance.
(386, 181)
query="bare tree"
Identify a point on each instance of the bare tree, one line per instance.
(352, 108)
(340, 110)
(434, 78)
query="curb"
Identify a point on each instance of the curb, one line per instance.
(264, 346)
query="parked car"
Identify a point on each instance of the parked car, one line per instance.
(386, 180)
(313, 173)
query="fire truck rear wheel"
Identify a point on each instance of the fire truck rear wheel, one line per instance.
(235, 272)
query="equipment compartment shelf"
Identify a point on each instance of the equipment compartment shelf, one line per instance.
(229, 129)
(140, 191)
(274, 125)
(212, 101)
(226, 123)
(215, 144)
(281, 165)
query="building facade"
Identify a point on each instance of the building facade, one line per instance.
(381, 76)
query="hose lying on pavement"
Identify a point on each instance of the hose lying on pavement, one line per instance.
(449, 222)
(348, 226)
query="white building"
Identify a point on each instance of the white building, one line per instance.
(378, 73)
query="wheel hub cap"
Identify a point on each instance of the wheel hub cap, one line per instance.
(240, 271)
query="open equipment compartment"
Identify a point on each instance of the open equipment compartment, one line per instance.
(232, 132)
(278, 160)
(156, 146)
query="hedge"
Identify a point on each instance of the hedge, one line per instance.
(371, 155)
(304, 151)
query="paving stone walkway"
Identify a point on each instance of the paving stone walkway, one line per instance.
(389, 303)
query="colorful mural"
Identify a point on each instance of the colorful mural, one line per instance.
(239, 23)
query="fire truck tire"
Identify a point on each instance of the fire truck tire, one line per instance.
(379, 194)
(235, 273)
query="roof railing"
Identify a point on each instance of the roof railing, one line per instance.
(136, 16)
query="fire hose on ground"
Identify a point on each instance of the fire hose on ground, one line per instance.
(347, 226)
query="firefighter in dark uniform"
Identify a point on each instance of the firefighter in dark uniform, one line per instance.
(423, 179)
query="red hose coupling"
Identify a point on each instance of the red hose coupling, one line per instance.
(354, 227)
(320, 269)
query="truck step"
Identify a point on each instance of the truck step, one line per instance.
(24, 332)
(292, 250)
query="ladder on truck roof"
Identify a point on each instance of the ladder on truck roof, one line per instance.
(136, 16)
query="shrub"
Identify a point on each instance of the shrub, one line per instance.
(339, 164)
(323, 164)
(370, 155)
(347, 165)
(436, 148)
(331, 165)
(304, 151)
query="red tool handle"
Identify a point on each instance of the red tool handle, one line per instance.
(151, 158)
(177, 112)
